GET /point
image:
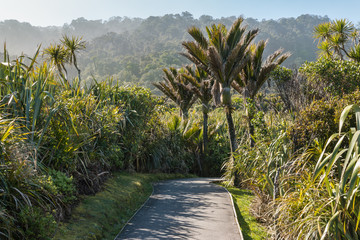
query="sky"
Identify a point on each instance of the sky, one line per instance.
(59, 12)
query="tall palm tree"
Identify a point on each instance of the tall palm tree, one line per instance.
(73, 45)
(58, 56)
(255, 74)
(201, 85)
(223, 55)
(175, 87)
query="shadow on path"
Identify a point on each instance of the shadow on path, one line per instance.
(184, 209)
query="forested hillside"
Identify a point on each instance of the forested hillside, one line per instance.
(136, 50)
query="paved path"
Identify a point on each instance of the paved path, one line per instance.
(185, 209)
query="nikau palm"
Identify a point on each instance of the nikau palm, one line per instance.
(175, 87)
(223, 55)
(255, 74)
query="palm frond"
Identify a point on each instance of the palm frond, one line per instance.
(198, 37)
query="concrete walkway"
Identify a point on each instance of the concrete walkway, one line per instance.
(185, 209)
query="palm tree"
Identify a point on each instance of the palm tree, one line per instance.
(201, 85)
(255, 74)
(175, 86)
(223, 55)
(73, 45)
(58, 56)
(335, 37)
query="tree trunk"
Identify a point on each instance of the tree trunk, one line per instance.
(184, 115)
(197, 154)
(233, 144)
(78, 70)
(205, 133)
(250, 114)
(231, 127)
(204, 147)
(79, 77)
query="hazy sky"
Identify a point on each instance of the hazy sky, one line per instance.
(58, 12)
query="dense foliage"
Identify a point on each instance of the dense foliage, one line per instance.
(59, 141)
(291, 142)
(304, 165)
(327, 77)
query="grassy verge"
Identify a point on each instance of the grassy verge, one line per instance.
(250, 228)
(103, 215)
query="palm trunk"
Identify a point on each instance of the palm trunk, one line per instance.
(205, 133)
(249, 114)
(250, 117)
(184, 115)
(233, 144)
(79, 77)
(204, 147)
(251, 131)
(78, 70)
(231, 127)
(226, 101)
(197, 154)
(66, 73)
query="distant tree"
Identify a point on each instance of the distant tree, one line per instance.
(175, 86)
(255, 74)
(223, 55)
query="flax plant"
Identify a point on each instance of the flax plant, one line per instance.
(26, 92)
(338, 172)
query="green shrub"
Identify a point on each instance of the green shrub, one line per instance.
(328, 77)
(115, 155)
(260, 128)
(36, 224)
(167, 150)
(315, 121)
(237, 102)
(218, 153)
(321, 119)
(64, 186)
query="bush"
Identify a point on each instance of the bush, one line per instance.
(328, 77)
(218, 153)
(36, 224)
(64, 186)
(321, 119)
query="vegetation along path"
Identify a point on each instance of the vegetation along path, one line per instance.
(185, 209)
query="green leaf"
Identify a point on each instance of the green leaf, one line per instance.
(344, 114)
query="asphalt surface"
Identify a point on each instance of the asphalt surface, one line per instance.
(185, 209)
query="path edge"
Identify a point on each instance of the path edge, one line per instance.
(118, 235)
(233, 207)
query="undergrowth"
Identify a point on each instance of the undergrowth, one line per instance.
(103, 215)
(250, 227)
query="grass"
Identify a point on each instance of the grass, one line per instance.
(250, 228)
(103, 215)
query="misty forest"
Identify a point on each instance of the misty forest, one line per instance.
(95, 107)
